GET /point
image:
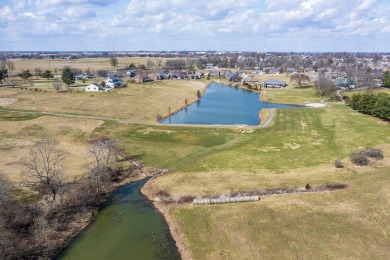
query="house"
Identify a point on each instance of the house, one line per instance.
(290, 70)
(273, 83)
(114, 82)
(141, 78)
(94, 87)
(224, 72)
(249, 81)
(161, 75)
(214, 73)
(345, 83)
(209, 65)
(231, 77)
(241, 73)
(258, 72)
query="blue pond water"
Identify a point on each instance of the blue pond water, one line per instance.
(224, 105)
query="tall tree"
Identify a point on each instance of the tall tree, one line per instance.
(38, 71)
(25, 74)
(47, 74)
(299, 78)
(325, 86)
(44, 166)
(113, 61)
(3, 74)
(67, 76)
(105, 152)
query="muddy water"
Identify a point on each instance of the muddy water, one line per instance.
(128, 227)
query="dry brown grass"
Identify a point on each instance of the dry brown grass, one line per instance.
(92, 64)
(17, 138)
(139, 102)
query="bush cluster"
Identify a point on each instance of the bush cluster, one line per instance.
(372, 104)
(362, 157)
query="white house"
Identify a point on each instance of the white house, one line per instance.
(93, 87)
(114, 82)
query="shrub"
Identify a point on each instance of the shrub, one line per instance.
(162, 193)
(374, 153)
(186, 199)
(359, 158)
(338, 164)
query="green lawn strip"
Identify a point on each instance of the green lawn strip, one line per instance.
(13, 116)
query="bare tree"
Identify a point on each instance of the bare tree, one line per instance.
(37, 71)
(299, 79)
(149, 64)
(325, 86)
(44, 166)
(57, 85)
(105, 152)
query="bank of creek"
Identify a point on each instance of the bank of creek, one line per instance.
(127, 227)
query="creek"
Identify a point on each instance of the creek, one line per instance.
(127, 227)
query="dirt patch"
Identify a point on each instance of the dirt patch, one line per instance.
(7, 101)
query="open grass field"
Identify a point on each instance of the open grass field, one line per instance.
(19, 132)
(83, 64)
(138, 102)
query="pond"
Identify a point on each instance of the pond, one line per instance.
(224, 105)
(128, 227)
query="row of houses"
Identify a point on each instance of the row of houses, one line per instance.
(147, 77)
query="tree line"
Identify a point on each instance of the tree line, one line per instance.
(371, 104)
(41, 226)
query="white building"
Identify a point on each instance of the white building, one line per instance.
(93, 87)
(114, 82)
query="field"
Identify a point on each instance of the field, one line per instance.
(137, 102)
(83, 64)
(300, 147)
(19, 132)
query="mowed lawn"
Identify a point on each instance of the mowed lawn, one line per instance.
(138, 102)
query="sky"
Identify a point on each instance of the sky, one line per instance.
(173, 25)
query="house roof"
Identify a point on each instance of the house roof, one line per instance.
(274, 82)
(249, 79)
(95, 85)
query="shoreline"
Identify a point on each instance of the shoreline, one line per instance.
(165, 210)
(184, 107)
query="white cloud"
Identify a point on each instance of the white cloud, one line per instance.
(199, 22)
